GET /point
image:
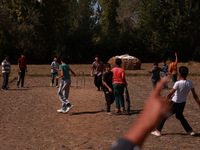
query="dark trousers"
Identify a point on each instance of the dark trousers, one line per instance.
(98, 81)
(119, 94)
(174, 78)
(5, 80)
(177, 109)
(21, 76)
(53, 75)
(109, 96)
(154, 82)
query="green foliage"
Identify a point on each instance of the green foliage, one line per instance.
(168, 26)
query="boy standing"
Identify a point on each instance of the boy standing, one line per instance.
(119, 82)
(181, 89)
(98, 67)
(173, 69)
(155, 73)
(63, 91)
(22, 65)
(54, 71)
(5, 71)
(108, 87)
(164, 73)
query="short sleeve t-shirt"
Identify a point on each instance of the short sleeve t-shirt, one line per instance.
(182, 88)
(54, 65)
(118, 74)
(155, 73)
(108, 78)
(65, 69)
(22, 63)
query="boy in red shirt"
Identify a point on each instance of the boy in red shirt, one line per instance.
(22, 65)
(119, 82)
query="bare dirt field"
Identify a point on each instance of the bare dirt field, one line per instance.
(29, 120)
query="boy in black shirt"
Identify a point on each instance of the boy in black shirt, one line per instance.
(108, 87)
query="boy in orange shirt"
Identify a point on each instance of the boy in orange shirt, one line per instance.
(173, 69)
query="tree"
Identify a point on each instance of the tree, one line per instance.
(168, 26)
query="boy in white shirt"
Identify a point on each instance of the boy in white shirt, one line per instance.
(181, 89)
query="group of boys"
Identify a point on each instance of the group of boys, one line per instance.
(164, 69)
(114, 80)
(113, 85)
(6, 69)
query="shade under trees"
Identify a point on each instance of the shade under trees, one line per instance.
(149, 30)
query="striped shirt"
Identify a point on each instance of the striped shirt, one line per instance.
(5, 66)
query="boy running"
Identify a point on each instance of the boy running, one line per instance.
(98, 67)
(22, 65)
(108, 87)
(156, 73)
(54, 71)
(181, 89)
(164, 73)
(63, 91)
(5, 71)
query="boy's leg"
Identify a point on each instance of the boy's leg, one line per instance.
(96, 81)
(107, 97)
(162, 121)
(116, 91)
(174, 78)
(61, 89)
(121, 95)
(67, 87)
(179, 115)
(4, 81)
(153, 83)
(19, 78)
(99, 81)
(22, 77)
(52, 78)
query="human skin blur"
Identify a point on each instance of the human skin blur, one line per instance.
(155, 108)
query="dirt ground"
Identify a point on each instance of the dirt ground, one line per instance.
(29, 120)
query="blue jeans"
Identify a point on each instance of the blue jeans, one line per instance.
(53, 75)
(5, 82)
(119, 95)
(174, 78)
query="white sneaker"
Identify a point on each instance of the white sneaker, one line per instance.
(60, 110)
(155, 133)
(51, 84)
(68, 108)
(57, 86)
(192, 133)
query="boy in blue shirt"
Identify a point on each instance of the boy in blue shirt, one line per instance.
(63, 91)
(54, 71)
(164, 73)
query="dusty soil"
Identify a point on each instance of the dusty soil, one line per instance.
(29, 120)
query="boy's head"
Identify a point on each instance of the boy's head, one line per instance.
(6, 57)
(55, 59)
(155, 64)
(164, 62)
(173, 59)
(107, 67)
(183, 71)
(118, 61)
(22, 56)
(63, 59)
(96, 58)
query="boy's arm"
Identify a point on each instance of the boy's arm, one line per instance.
(61, 75)
(92, 69)
(195, 96)
(176, 61)
(72, 72)
(170, 94)
(110, 90)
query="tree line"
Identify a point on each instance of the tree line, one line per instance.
(81, 29)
